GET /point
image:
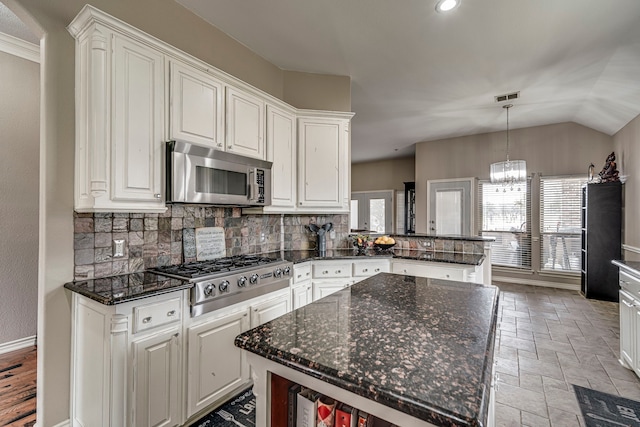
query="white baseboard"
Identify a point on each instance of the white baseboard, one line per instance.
(17, 344)
(519, 281)
(66, 423)
(631, 249)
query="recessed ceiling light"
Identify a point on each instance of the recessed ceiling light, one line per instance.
(447, 5)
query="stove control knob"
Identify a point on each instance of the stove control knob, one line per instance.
(287, 271)
(253, 279)
(224, 286)
(242, 281)
(277, 272)
(209, 289)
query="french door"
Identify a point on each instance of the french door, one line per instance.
(372, 211)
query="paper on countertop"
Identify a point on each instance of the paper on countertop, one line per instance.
(210, 243)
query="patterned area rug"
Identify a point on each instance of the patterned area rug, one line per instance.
(606, 410)
(239, 411)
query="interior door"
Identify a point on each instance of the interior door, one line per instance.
(373, 211)
(449, 211)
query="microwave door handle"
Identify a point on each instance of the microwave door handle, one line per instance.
(252, 190)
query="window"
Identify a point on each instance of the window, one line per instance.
(504, 214)
(560, 223)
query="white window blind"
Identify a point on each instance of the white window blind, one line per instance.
(560, 223)
(505, 215)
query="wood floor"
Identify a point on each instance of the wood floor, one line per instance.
(18, 388)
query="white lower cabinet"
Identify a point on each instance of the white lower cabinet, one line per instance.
(436, 270)
(279, 303)
(215, 365)
(126, 362)
(301, 294)
(156, 374)
(630, 322)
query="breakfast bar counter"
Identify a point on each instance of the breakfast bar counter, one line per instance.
(409, 350)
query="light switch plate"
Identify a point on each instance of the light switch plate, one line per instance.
(118, 248)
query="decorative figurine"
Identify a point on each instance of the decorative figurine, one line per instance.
(609, 173)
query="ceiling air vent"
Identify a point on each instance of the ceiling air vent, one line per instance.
(508, 97)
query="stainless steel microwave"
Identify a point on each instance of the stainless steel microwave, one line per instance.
(202, 175)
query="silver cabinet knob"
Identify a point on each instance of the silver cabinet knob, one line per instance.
(157, 196)
(146, 319)
(171, 313)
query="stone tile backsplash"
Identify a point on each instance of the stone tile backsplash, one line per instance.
(169, 238)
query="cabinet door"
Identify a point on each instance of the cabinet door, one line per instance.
(245, 124)
(635, 350)
(627, 324)
(138, 122)
(322, 289)
(269, 310)
(155, 380)
(196, 107)
(281, 150)
(323, 149)
(302, 295)
(215, 366)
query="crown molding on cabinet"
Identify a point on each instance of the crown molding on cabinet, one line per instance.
(20, 48)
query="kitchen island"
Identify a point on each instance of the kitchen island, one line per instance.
(413, 351)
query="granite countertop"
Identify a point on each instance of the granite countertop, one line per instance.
(410, 254)
(631, 267)
(127, 287)
(422, 346)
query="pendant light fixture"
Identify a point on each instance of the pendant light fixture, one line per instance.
(510, 173)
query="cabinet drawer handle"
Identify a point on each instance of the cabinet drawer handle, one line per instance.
(376, 270)
(325, 272)
(219, 144)
(230, 146)
(171, 313)
(299, 276)
(365, 270)
(307, 274)
(157, 195)
(146, 319)
(338, 271)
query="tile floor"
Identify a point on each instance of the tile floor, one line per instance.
(549, 339)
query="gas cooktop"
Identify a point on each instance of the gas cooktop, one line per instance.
(205, 269)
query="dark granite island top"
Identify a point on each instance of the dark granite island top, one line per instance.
(421, 346)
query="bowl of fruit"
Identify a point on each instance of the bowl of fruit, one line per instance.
(384, 242)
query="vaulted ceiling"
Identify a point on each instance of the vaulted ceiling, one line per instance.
(418, 75)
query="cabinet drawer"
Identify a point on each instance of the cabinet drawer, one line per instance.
(630, 284)
(301, 272)
(370, 268)
(152, 315)
(324, 270)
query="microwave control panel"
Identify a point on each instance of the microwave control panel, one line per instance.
(260, 185)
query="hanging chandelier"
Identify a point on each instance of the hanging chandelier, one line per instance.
(510, 173)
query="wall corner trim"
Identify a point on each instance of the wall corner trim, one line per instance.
(17, 344)
(20, 48)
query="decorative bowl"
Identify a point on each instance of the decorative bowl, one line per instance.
(384, 246)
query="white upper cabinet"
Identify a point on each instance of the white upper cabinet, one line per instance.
(196, 109)
(281, 150)
(138, 121)
(245, 123)
(119, 119)
(324, 163)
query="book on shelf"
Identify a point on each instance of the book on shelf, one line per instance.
(346, 416)
(326, 411)
(292, 404)
(307, 408)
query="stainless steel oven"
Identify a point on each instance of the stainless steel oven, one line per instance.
(202, 175)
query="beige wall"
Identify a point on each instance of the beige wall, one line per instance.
(317, 92)
(382, 175)
(169, 22)
(560, 149)
(19, 109)
(627, 148)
